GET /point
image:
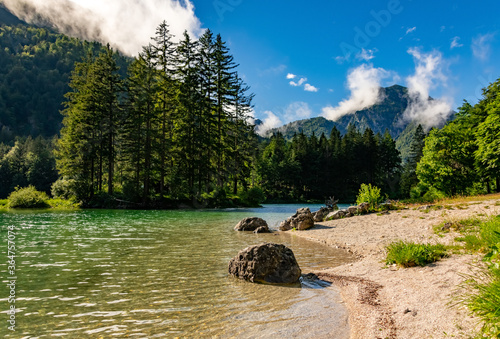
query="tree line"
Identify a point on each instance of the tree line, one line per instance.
(176, 128)
(464, 156)
(316, 168)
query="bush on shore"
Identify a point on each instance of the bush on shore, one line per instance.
(28, 197)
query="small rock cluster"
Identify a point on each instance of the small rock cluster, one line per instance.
(349, 212)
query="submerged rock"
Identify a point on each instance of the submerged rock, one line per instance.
(266, 263)
(251, 224)
(262, 229)
(301, 220)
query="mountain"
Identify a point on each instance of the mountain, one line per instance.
(384, 115)
(35, 68)
(7, 18)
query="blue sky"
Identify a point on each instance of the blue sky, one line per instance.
(306, 59)
(458, 42)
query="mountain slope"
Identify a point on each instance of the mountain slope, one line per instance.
(35, 66)
(386, 114)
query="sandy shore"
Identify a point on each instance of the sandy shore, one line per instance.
(388, 302)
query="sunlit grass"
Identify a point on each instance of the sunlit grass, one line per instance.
(408, 254)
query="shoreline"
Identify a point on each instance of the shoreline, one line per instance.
(391, 302)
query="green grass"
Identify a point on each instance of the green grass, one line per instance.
(62, 204)
(483, 300)
(482, 295)
(408, 254)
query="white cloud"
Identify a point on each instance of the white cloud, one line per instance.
(125, 24)
(291, 76)
(429, 74)
(299, 83)
(364, 84)
(455, 43)
(297, 111)
(410, 30)
(310, 88)
(366, 55)
(481, 46)
(271, 121)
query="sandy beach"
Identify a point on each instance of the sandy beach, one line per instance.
(392, 302)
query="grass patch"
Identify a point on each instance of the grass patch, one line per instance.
(408, 254)
(461, 225)
(482, 290)
(482, 299)
(62, 204)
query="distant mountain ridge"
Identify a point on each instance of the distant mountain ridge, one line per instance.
(387, 114)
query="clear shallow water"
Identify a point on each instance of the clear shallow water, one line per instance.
(114, 274)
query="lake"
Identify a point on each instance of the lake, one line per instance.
(148, 274)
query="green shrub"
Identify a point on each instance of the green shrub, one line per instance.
(28, 197)
(369, 194)
(63, 189)
(253, 197)
(407, 254)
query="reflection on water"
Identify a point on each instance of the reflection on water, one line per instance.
(159, 274)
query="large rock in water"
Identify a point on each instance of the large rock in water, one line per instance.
(266, 263)
(251, 224)
(301, 220)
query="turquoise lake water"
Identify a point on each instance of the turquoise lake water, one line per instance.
(148, 274)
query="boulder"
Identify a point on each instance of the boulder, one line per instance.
(322, 213)
(266, 263)
(364, 208)
(251, 224)
(262, 229)
(301, 220)
(352, 210)
(336, 215)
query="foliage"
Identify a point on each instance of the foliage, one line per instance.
(28, 162)
(64, 189)
(483, 298)
(176, 128)
(463, 157)
(253, 197)
(312, 168)
(35, 65)
(483, 289)
(28, 197)
(369, 194)
(408, 254)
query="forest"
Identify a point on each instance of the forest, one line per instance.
(174, 127)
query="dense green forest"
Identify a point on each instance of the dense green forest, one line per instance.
(35, 65)
(308, 168)
(464, 156)
(172, 126)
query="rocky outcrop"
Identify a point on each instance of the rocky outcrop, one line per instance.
(251, 224)
(266, 263)
(351, 211)
(336, 215)
(301, 220)
(321, 214)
